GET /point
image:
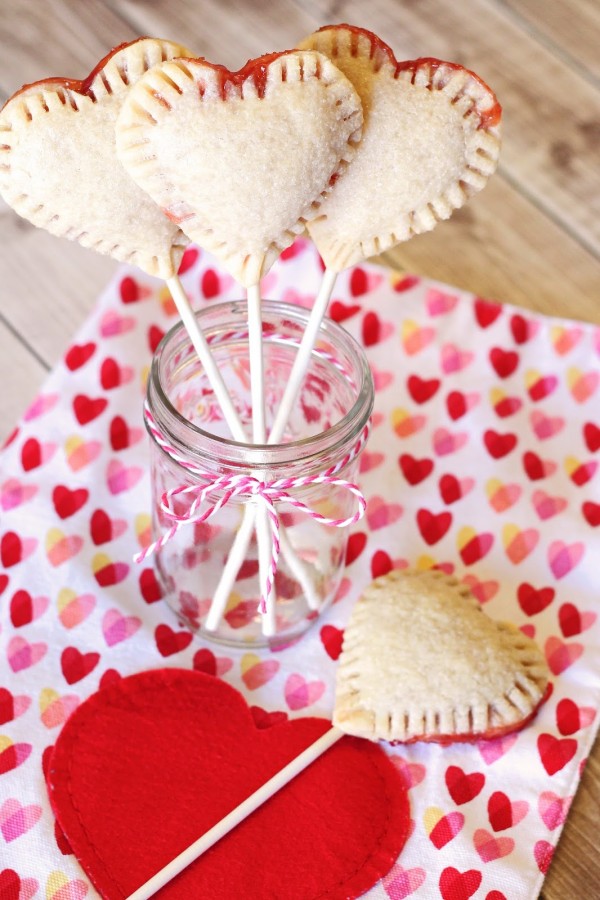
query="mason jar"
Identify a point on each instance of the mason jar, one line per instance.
(232, 519)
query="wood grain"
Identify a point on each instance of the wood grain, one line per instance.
(532, 238)
(18, 392)
(499, 246)
(570, 28)
(225, 31)
(49, 285)
(55, 38)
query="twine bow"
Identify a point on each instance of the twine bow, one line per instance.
(252, 489)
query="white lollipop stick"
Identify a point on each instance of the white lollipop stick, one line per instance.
(242, 539)
(257, 375)
(205, 356)
(237, 815)
(238, 432)
(236, 557)
(259, 435)
(301, 363)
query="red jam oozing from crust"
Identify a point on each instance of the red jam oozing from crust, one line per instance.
(490, 735)
(72, 84)
(489, 117)
(356, 33)
(257, 69)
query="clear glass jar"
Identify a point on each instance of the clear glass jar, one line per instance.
(325, 425)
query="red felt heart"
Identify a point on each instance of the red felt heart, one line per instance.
(147, 765)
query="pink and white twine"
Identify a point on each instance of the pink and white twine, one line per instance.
(250, 488)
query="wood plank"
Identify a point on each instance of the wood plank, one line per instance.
(48, 285)
(20, 375)
(502, 247)
(55, 38)
(225, 31)
(571, 26)
(575, 861)
(551, 151)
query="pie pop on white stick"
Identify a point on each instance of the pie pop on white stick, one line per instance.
(294, 383)
(59, 131)
(241, 161)
(421, 661)
(430, 140)
(59, 169)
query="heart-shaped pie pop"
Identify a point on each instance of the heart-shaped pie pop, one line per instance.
(430, 140)
(59, 168)
(422, 661)
(240, 160)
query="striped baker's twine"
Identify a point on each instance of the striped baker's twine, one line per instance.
(249, 488)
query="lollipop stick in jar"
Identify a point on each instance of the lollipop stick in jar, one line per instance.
(241, 543)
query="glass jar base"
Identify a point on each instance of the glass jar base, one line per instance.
(242, 625)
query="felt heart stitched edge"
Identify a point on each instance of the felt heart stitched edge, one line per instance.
(59, 167)
(148, 764)
(241, 160)
(431, 139)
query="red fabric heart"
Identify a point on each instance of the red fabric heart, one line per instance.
(504, 361)
(87, 409)
(433, 527)
(463, 787)
(415, 470)
(67, 502)
(76, 665)
(534, 600)
(422, 390)
(149, 587)
(499, 445)
(78, 354)
(147, 765)
(486, 312)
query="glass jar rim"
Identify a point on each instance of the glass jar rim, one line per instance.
(199, 443)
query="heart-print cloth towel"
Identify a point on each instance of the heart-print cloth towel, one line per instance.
(483, 460)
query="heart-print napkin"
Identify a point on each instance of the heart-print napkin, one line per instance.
(483, 460)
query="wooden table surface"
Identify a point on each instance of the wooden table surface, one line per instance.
(532, 238)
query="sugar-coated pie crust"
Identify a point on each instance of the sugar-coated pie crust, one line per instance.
(241, 160)
(59, 167)
(422, 661)
(431, 139)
